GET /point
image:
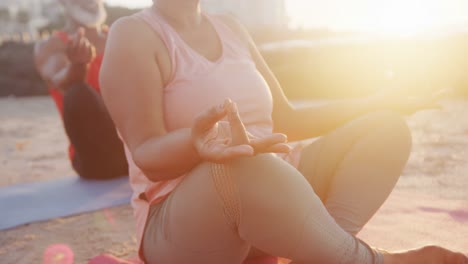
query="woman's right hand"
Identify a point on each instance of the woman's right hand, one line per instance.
(79, 48)
(209, 140)
(80, 52)
(223, 141)
(426, 255)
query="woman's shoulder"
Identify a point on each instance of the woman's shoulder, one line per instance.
(129, 25)
(132, 29)
(132, 40)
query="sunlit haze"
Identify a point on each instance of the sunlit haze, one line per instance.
(385, 16)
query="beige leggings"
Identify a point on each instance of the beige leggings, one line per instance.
(310, 215)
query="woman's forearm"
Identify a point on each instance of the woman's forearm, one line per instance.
(69, 75)
(167, 157)
(312, 121)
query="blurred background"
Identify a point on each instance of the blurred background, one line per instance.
(317, 49)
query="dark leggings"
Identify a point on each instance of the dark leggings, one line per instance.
(99, 153)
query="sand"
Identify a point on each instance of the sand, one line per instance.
(33, 147)
(428, 206)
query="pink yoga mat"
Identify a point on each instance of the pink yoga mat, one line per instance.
(108, 259)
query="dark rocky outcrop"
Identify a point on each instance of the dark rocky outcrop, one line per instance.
(316, 68)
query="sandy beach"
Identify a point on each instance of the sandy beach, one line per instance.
(428, 206)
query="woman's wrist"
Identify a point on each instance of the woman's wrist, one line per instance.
(77, 73)
(193, 146)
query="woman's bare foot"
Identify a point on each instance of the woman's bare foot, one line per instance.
(426, 255)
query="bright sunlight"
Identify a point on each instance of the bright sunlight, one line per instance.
(381, 16)
(378, 16)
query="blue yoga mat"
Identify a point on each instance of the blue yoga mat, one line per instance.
(27, 203)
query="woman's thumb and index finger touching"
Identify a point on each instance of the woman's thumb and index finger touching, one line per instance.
(239, 134)
(237, 143)
(240, 141)
(206, 120)
(272, 143)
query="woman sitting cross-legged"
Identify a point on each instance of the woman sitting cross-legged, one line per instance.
(214, 179)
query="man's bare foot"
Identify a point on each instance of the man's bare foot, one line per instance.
(426, 255)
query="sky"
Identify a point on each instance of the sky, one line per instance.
(393, 16)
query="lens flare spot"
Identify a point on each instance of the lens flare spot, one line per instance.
(58, 254)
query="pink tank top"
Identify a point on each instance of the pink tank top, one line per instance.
(196, 85)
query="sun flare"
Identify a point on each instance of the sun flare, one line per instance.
(381, 16)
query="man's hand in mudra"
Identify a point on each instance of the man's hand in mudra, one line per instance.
(221, 141)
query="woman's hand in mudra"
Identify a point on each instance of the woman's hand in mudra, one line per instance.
(222, 141)
(274, 143)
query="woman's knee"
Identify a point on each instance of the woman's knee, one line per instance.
(389, 126)
(263, 183)
(198, 209)
(261, 169)
(393, 129)
(265, 180)
(388, 141)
